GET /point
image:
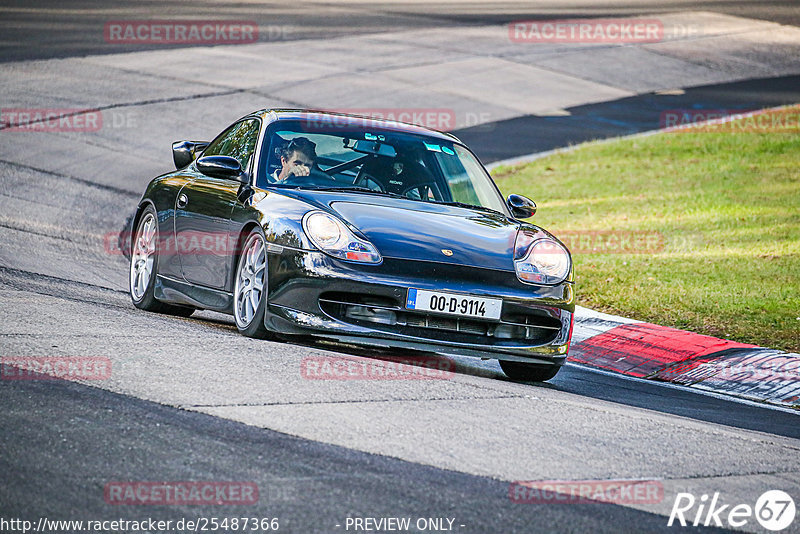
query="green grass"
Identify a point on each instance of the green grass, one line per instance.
(727, 206)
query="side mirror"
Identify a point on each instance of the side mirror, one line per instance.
(222, 167)
(521, 207)
(183, 152)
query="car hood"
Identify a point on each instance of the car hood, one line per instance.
(420, 231)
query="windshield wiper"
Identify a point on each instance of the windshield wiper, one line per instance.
(468, 206)
(359, 189)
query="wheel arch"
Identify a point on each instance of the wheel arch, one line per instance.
(135, 220)
(237, 254)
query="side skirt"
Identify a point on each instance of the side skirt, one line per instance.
(186, 294)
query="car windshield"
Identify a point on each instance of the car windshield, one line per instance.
(426, 169)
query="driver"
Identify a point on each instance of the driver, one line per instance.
(297, 158)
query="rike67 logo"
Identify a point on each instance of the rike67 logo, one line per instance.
(774, 510)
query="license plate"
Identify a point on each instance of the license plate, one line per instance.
(453, 304)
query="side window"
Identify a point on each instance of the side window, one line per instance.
(238, 141)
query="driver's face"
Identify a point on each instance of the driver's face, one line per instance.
(297, 158)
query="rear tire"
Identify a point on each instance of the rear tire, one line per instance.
(250, 287)
(529, 372)
(144, 268)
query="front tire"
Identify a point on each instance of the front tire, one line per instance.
(144, 268)
(250, 288)
(529, 372)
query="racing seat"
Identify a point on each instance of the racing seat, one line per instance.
(401, 176)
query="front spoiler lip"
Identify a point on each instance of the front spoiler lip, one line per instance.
(285, 320)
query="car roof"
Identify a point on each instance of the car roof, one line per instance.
(356, 121)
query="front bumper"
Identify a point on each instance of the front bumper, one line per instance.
(311, 293)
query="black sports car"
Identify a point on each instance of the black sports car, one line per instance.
(358, 230)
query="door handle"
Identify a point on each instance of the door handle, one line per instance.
(182, 200)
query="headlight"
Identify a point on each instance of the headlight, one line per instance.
(331, 236)
(542, 261)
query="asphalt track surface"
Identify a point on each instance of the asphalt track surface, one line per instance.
(36, 29)
(508, 139)
(309, 486)
(61, 442)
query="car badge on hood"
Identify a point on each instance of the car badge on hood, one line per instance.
(447, 252)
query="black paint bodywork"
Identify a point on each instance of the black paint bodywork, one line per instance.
(308, 290)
